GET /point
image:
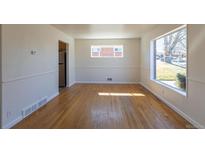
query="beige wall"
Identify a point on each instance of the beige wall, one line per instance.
(121, 70)
(191, 106)
(27, 78)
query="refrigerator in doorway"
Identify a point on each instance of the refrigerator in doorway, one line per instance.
(62, 69)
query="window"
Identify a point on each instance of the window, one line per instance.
(170, 59)
(107, 51)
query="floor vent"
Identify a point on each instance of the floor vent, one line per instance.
(27, 111)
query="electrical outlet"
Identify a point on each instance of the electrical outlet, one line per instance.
(109, 79)
(33, 52)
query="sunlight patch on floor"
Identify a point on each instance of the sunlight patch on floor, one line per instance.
(120, 94)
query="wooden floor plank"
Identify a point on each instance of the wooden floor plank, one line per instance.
(105, 106)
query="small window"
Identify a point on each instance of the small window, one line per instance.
(115, 51)
(170, 59)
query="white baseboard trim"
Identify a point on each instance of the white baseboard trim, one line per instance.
(51, 97)
(71, 84)
(18, 119)
(12, 123)
(104, 82)
(184, 115)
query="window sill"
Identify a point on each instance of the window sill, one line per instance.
(183, 93)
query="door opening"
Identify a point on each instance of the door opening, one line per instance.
(62, 46)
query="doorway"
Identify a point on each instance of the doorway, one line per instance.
(62, 52)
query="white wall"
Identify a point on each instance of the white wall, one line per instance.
(27, 78)
(0, 83)
(191, 106)
(96, 70)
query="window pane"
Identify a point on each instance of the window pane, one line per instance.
(118, 54)
(95, 54)
(107, 51)
(171, 59)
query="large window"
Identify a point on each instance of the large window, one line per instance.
(170, 59)
(107, 51)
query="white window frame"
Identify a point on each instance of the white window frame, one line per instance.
(107, 46)
(153, 63)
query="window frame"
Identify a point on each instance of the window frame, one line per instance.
(153, 61)
(101, 46)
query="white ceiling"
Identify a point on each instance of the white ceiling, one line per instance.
(104, 31)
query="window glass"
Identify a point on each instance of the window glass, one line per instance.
(170, 59)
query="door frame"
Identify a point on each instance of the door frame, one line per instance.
(66, 63)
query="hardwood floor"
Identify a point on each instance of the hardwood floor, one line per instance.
(104, 106)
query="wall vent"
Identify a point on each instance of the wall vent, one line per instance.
(30, 109)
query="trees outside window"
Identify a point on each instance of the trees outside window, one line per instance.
(171, 58)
